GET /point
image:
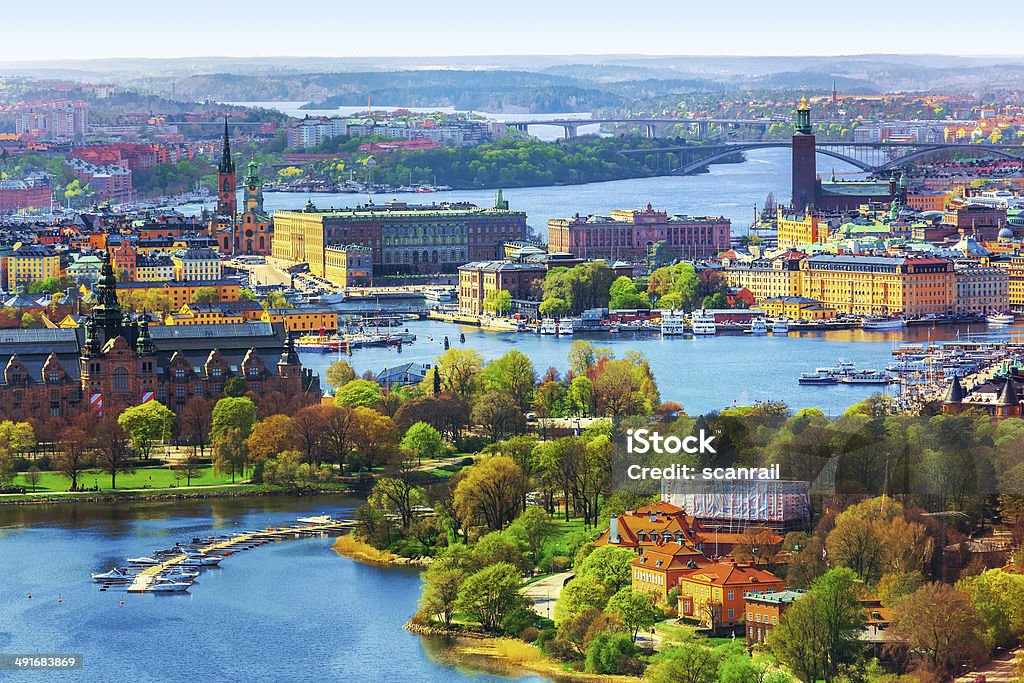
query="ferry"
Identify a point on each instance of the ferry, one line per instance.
(866, 377)
(566, 327)
(439, 295)
(780, 326)
(1004, 318)
(758, 326)
(879, 323)
(817, 378)
(548, 326)
(703, 322)
(672, 324)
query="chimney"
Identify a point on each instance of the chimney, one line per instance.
(613, 531)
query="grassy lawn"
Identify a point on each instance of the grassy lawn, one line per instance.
(675, 631)
(150, 477)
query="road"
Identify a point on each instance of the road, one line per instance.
(545, 591)
(997, 671)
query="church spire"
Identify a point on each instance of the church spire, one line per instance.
(226, 164)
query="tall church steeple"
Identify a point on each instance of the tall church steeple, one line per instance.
(227, 199)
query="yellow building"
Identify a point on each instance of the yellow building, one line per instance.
(798, 230)
(197, 264)
(880, 285)
(1016, 284)
(311, 319)
(196, 314)
(796, 308)
(349, 265)
(178, 293)
(767, 278)
(28, 263)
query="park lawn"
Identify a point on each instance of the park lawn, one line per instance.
(562, 542)
(149, 477)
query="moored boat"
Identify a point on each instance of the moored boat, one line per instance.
(817, 378)
(780, 326)
(703, 322)
(758, 326)
(672, 324)
(566, 327)
(1004, 318)
(548, 326)
(881, 323)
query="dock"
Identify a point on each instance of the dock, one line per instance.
(145, 578)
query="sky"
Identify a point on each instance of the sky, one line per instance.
(74, 29)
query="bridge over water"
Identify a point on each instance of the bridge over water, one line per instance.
(873, 157)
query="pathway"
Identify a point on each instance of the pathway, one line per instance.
(544, 592)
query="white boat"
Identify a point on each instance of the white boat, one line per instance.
(176, 574)
(115, 574)
(200, 561)
(841, 369)
(703, 322)
(817, 378)
(548, 326)
(866, 377)
(159, 586)
(566, 327)
(439, 295)
(1004, 318)
(143, 560)
(672, 324)
(883, 323)
(780, 326)
(318, 519)
(758, 326)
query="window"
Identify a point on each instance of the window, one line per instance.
(120, 379)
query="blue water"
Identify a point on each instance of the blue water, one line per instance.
(702, 373)
(292, 610)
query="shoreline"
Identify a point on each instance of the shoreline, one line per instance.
(135, 495)
(359, 551)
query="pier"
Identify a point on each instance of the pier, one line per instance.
(145, 578)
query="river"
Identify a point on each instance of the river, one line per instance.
(287, 611)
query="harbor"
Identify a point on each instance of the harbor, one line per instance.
(174, 570)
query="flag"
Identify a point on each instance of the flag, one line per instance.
(147, 396)
(96, 404)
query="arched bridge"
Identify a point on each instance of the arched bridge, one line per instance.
(873, 157)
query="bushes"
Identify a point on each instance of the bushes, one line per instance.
(612, 653)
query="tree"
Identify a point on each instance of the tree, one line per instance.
(636, 610)
(612, 653)
(941, 624)
(310, 432)
(110, 444)
(188, 468)
(490, 492)
(339, 374)
(270, 436)
(623, 387)
(205, 296)
(358, 393)
(513, 373)
(999, 598)
(229, 451)
(441, 592)
(498, 301)
(623, 294)
(283, 469)
(610, 565)
(553, 307)
(338, 433)
(234, 413)
(235, 387)
(498, 414)
(373, 435)
(195, 422)
(73, 454)
(423, 440)
(146, 424)
(534, 527)
(686, 663)
(32, 476)
(398, 495)
(584, 592)
(490, 594)
(460, 371)
(716, 301)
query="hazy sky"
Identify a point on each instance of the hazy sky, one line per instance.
(62, 29)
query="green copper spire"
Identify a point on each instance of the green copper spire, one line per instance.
(252, 176)
(803, 118)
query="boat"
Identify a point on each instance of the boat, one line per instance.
(780, 326)
(317, 519)
(817, 378)
(840, 369)
(566, 327)
(672, 324)
(703, 322)
(115, 574)
(758, 326)
(1004, 318)
(866, 377)
(548, 327)
(143, 560)
(177, 574)
(882, 323)
(200, 561)
(439, 295)
(159, 586)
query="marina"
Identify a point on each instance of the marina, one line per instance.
(167, 571)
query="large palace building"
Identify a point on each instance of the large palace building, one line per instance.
(114, 361)
(404, 238)
(630, 234)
